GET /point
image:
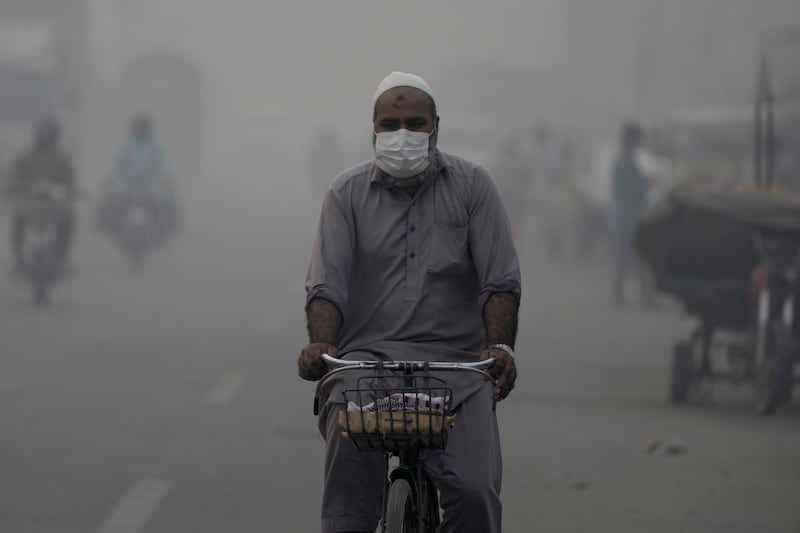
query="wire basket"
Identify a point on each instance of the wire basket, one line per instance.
(414, 414)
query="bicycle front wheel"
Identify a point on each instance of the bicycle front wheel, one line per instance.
(400, 515)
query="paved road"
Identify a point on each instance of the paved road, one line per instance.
(165, 400)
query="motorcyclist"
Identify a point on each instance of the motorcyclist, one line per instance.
(141, 169)
(43, 165)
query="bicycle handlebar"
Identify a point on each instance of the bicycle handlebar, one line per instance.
(335, 363)
(340, 365)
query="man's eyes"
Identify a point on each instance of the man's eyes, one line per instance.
(412, 124)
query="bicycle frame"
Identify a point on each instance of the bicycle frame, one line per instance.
(775, 286)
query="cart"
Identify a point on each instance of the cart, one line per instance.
(749, 324)
(732, 257)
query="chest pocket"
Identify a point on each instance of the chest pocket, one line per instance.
(449, 249)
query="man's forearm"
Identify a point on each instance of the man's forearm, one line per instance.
(500, 317)
(323, 321)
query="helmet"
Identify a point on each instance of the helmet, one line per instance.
(141, 126)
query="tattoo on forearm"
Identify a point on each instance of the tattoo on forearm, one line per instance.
(323, 321)
(500, 317)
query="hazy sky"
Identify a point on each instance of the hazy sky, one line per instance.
(314, 62)
(269, 54)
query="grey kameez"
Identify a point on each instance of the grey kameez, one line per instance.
(410, 277)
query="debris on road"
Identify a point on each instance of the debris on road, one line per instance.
(667, 447)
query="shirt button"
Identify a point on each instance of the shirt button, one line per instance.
(413, 228)
(412, 255)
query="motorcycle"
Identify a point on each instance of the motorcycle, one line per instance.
(134, 217)
(43, 211)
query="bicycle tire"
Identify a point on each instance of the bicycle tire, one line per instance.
(774, 376)
(400, 515)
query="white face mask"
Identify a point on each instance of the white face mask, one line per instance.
(402, 153)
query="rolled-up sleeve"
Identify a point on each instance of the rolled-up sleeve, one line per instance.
(329, 270)
(491, 242)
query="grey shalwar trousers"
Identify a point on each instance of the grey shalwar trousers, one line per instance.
(468, 474)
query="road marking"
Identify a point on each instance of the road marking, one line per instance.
(136, 507)
(225, 389)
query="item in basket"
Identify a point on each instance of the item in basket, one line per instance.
(402, 402)
(394, 422)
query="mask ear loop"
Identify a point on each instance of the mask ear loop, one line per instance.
(433, 140)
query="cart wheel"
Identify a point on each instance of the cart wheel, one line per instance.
(774, 377)
(681, 373)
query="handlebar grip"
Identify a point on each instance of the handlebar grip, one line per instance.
(335, 362)
(481, 365)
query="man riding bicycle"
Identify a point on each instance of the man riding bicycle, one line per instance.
(414, 259)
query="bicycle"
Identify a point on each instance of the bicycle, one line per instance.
(403, 413)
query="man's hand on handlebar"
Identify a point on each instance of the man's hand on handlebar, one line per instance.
(310, 365)
(504, 371)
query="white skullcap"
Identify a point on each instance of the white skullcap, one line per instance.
(402, 79)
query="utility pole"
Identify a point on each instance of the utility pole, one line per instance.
(763, 134)
(770, 46)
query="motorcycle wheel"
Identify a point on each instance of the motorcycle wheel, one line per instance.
(41, 293)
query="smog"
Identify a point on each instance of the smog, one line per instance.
(153, 291)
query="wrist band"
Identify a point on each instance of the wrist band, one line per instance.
(505, 347)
